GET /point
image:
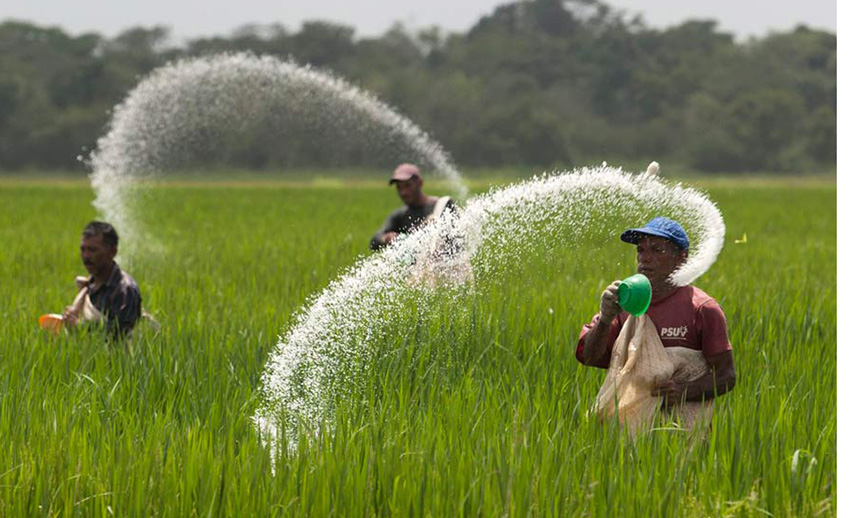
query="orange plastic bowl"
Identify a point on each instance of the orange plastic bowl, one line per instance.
(52, 322)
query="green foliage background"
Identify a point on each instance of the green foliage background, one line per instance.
(550, 83)
(487, 416)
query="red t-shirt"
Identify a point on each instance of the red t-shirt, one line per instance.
(685, 318)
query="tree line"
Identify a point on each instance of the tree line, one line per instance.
(545, 83)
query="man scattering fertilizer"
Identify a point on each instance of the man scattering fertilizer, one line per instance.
(418, 209)
(682, 321)
(109, 296)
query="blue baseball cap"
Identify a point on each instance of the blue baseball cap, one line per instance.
(662, 227)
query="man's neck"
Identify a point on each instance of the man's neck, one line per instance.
(421, 201)
(102, 277)
(663, 291)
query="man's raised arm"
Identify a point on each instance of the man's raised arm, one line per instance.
(593, 349)
(384, 235)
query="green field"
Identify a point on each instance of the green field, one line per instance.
(487, 416)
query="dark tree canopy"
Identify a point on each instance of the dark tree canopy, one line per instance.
(541, 83)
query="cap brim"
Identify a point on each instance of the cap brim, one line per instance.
(633, 235)
(402, 179)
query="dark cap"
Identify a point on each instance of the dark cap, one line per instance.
(404, 172)
(662, 227)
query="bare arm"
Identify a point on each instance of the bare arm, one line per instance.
(596, 340)
(385, 235)
(596, 344)
(719, 380)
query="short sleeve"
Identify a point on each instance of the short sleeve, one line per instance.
(711, 326)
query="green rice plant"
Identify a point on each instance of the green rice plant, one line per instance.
(472, 406)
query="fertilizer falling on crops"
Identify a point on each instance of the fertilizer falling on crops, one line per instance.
(313, 364)
(190, 110)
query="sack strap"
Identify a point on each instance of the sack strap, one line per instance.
(439, 207)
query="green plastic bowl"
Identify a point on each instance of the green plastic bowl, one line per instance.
(635, 294)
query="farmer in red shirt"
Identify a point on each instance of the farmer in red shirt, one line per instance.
(684, 316)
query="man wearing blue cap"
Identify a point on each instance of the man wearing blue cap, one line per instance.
(684, 316)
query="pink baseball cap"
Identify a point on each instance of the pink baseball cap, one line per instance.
(405, 172)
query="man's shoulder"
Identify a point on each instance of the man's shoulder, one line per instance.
(400, 212)
(700, 299)
(441, 202)
(127, 282)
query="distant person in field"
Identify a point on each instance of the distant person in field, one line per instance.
(684, 316)
(418, 207)
(109, 295)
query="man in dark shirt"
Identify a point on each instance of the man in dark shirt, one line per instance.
(109, 295)
(418, 206)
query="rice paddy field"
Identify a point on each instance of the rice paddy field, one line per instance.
(474, 411)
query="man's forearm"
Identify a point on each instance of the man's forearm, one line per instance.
(713, 384)
(596, 344)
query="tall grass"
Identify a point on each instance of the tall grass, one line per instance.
(475, 407)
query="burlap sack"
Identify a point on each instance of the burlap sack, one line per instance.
(442, 260)
(85, 310)
(639, 362)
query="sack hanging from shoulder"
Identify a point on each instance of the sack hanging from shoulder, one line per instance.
(639, 362)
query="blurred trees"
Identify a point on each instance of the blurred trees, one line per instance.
(546, 83)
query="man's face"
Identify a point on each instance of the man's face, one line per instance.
(409, 190)
(97, 256)
(657, 258)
